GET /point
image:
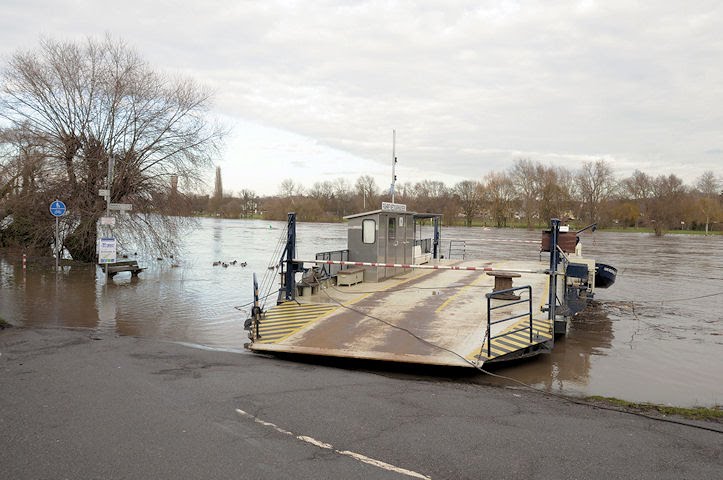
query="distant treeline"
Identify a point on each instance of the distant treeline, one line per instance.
(527, 194)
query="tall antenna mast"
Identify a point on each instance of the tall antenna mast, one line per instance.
(394, 162)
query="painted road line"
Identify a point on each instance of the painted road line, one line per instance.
(327, 446)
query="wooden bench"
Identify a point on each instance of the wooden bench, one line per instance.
(419, 257)
(350, 276)
(124, 266)
(503, 281)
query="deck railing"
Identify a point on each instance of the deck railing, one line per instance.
(425, 244)
(457, 248)
(328, 271)
(506, 303)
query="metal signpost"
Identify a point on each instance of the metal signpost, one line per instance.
(107, 249)
(57, 209)
(105, 192)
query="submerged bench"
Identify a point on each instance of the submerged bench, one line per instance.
(124, 266)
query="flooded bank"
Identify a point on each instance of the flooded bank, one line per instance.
(656, 335)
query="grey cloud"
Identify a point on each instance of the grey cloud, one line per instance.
(469, 86)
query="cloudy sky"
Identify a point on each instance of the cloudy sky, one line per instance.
(313, 89)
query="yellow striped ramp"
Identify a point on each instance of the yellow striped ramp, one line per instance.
(288, 318)
(541, 333)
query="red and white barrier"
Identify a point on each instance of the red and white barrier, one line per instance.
(421, 267)
(498, 240)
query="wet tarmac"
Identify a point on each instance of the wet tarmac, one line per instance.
(78, 405)
(656, 335)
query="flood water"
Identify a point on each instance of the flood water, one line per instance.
(656, 335)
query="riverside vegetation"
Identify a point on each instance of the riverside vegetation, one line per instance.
(528, 194)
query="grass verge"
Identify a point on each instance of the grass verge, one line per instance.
(695, 413)
(4, 324)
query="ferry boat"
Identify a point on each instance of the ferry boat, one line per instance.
(390, 296)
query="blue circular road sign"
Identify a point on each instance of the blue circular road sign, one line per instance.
(57, 208)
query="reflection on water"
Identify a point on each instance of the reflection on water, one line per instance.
(656, 335)
(192, 302)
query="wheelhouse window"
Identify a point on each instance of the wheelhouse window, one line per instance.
(369, 231)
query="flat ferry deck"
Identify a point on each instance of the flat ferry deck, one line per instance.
(435, 317)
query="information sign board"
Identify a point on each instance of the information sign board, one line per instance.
(107, 250)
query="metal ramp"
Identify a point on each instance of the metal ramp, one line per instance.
(288, 318)
(525, 337)
(515, 342)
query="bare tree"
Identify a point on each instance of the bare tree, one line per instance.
(342, 195)
(428, 195)
(709, 199)
(665, 203)
(499, 194)
(639, 188)
(249, 202)
(21, 164)
(554, 187)
(469, 195)
(290, 189)
(404, 192)
(323, 194)
(526, 188)
(708, 184)
(87, 104)
(596, 184)
(433, 196)
(367, 189)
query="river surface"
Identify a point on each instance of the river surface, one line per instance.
(655, 336)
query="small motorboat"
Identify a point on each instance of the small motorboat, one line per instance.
(604, 275)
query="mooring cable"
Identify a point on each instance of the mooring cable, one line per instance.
(268, 278)
(267, 282)
(240, 307)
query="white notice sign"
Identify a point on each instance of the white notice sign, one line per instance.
(394, 207)
(107, 221)
(120, 206)
(107, 250)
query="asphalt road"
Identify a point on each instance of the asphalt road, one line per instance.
(77, 406)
